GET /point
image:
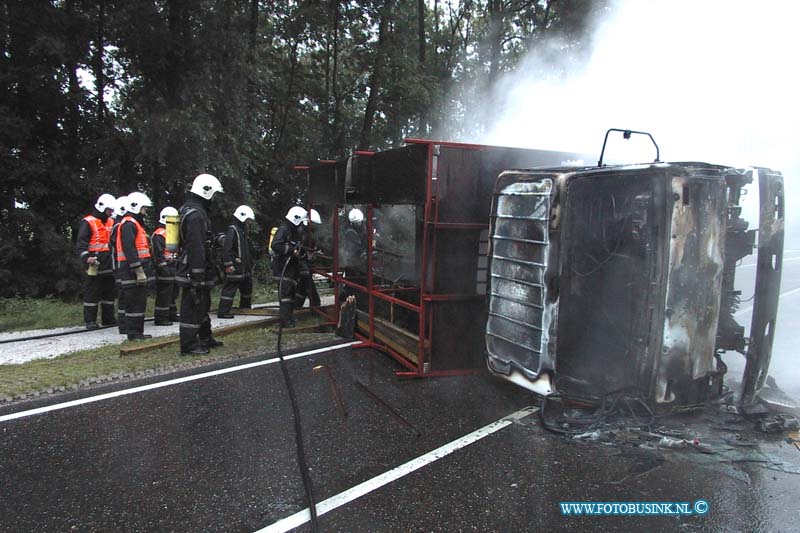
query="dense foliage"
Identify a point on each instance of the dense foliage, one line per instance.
(119, 95)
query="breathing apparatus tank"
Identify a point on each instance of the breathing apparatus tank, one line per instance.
(173, 232)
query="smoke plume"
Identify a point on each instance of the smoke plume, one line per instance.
(713, 81)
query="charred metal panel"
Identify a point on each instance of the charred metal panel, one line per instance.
(325, 184)
(456, 335)
(400, 175)
(465, 179)
(739, 243)
(768, 282)
(397, 234)
(519, 314)
(359, 187)
(693, 285)
(612, 250)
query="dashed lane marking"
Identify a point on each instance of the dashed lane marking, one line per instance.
(301, 517)
(746, 310)
(785, 260)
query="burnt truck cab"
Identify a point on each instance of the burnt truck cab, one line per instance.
(610, 278)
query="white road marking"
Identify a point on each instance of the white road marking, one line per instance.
(301, 517)
(168, 383)
(746, 310)
(785, 260)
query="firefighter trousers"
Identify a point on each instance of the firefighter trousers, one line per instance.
(244, 285)
(165, 308)
(98, 291)
(135, 297)
(195, 325)
(121, 322)
(288, 288)
(306, 288)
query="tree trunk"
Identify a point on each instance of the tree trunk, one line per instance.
(99, 75)
(253, 26)
(338, 132)
(495, 39)
(4, 28)
(176, 53)
(376, 78)
(422, 127)
(421, 30)
(73, 88)
(287, 104)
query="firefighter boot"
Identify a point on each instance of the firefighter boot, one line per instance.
(286, 309)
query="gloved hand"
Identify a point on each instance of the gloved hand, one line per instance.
(141, 277)
(92, 260)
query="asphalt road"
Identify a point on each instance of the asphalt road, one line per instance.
(783, 366)
(219, 454)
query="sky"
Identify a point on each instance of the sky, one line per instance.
(712, 81)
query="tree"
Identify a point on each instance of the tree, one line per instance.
(115, 96)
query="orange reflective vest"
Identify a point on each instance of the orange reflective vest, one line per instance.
(98, 242)
(168, 256)
(142, 246)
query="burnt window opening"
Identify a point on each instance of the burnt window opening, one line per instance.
(605, 298)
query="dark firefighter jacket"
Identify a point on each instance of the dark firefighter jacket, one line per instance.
(286, 240)
(305, 258)
(132, 249)
(163, 258)
(88, 243)
(236, 252)
(355, 246)
(195, 261)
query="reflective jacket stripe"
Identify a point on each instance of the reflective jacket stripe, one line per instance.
(142, 246)
(99, 239)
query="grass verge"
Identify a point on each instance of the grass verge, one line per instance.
(22, 314)
(103, 365)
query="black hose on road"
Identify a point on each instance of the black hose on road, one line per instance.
(298, 431)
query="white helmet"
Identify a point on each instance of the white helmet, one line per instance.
(355, 216)
(243, 213)
(121, 206)
(313, 215)
(136, 201)
(297, 215)
(168, 211)
(106, 201)
(205, 185)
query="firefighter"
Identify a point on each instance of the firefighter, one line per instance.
(195, 271)
(166, 312)
(135, 264)
(355, 240)
(238, 264)
(305, 284)
(119, 212)
(287, 246)
(93, 250)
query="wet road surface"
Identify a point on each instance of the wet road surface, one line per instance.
(218, 454)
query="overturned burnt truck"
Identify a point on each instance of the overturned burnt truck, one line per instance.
(612, 278)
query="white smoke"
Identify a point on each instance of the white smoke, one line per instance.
(713, 81)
